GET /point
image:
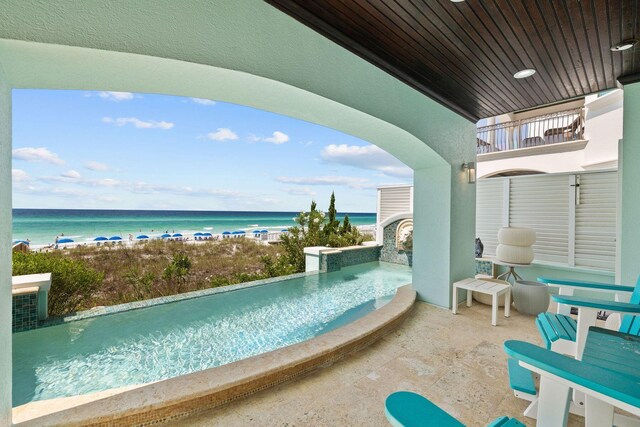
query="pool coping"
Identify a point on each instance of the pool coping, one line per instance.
(182, 396)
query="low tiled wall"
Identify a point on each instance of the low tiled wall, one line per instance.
(25, 312)
(335, 259)
(390, 252)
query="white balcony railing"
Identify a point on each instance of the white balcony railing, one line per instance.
(561, 126)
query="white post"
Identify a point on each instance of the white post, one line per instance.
(5, 251)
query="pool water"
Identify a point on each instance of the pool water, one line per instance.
(168, 340)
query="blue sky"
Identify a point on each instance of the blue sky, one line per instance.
(120, 150)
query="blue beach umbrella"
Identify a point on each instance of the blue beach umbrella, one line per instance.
(198, 234)
(100, 239)
(177, 235)
(115, 238)
(65, 241)
(264, 231)
(207, 234)
(142, 236)
(226, 232)
(256, 231)
(284, 230)
(164, 236)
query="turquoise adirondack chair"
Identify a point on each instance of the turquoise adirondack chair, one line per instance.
(408, 409)
(604, 389)
(563, 334)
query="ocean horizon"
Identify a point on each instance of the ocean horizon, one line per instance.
(41, 226)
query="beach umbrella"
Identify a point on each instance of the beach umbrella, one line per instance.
(100, 239)
(207, 234)
(264, 231)
(65, 241)
(115, 238)
(284, 230)
(256, 231)
(226, 232)
(198, 234)
(177, 235)
(142, 236)
(239, 232)
(164, 236)
(21, 241)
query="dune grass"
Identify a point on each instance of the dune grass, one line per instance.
(157, 268)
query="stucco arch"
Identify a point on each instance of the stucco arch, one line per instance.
(47, 66)
(249, 53)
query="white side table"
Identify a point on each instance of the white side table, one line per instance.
(495, 288)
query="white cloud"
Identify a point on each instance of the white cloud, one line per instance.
(96, 166)
(222, 134)
(331, 180)
(116, 96)
(276, 138)
(71, 174)
(368, 157)
(41, 154)
(74, 177)
(140, 124)
(306, 191)
(203, 101)
(18, 175)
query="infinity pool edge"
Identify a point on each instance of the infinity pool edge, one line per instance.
(185, 395)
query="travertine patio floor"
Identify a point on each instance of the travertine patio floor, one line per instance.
(457, 361)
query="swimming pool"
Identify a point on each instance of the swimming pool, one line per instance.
(168, 340)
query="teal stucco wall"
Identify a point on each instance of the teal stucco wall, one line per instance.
(629, 161)
(5, 251)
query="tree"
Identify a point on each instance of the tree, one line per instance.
(332, 226)
(346, 225)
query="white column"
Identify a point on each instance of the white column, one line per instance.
(5, 251)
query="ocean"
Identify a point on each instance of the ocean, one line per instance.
(41, 226)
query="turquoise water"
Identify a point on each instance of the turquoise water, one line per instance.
(41, 226)
(178, 338)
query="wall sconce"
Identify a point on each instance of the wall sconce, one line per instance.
(470, 168)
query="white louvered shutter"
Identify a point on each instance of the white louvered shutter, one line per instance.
(394, 200)
(489, 208)
(541, 202)
(596, 221)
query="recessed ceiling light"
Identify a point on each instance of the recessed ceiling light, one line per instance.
(524, 73)
(457, 1)
(623, 45)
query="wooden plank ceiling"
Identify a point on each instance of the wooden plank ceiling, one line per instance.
(464, 54)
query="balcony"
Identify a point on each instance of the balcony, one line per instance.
(560, 131)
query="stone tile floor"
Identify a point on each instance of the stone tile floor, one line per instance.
(457, 361)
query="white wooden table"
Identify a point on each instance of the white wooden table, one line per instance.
(493, 288)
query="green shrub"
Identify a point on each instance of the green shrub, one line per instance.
(313, 229)
(72, 281)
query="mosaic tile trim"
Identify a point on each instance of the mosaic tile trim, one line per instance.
(390, 252)
(344, 258)
(484, 267)
(24, 313)
(102, 311)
